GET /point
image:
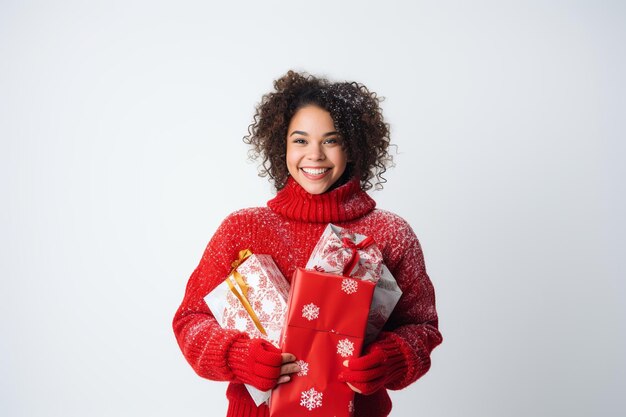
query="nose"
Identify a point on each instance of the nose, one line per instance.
(315, 152)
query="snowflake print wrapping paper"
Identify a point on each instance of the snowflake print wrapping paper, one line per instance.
(268, 293)
(332, 255)
(325, 325)
(310, 312)
(311, 399)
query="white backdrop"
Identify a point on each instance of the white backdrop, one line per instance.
(121, 126)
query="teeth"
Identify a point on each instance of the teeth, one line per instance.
(315, 171)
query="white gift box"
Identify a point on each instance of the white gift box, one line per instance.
(267, 295)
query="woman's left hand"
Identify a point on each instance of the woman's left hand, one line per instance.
(366, 374)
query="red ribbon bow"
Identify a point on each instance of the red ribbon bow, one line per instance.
(354, 259)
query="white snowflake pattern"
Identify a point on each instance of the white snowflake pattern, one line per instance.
(304, 368)
(345, 348)
(351, 407)
(311, 399)
(349, 285)
(310, 311)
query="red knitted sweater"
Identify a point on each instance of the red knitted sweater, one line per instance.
(288, 229)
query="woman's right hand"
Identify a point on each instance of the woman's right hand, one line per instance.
(288, 367)
(260, 364)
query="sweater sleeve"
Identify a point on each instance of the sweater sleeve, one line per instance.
(412, 330)
(213, 352)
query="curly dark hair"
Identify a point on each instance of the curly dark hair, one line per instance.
(354, 109)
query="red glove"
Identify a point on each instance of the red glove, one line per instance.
(255, 362)
(381, 363)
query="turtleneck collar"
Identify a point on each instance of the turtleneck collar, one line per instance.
(344, 203)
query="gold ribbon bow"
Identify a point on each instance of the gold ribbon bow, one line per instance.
(243, 296)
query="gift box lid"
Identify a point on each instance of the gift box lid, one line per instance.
(329, 302)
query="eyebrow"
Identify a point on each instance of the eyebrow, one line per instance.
(300, 132)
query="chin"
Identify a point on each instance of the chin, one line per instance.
(316, 189)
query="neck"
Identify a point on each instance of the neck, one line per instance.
(341, 203)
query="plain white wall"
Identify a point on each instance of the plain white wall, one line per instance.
(121, 126)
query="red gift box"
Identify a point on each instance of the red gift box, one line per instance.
(326, 323)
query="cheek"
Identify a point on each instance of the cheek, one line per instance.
(292, 158)
(340, 158)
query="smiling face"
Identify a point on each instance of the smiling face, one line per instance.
(315, 157)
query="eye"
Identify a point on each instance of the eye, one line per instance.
(331, 141)
(299, 141)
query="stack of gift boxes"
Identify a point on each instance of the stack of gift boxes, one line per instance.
(339, 301)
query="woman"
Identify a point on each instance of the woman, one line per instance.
(322, 144)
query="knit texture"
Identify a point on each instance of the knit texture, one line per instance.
(255, 362)
(288, 230)
(342, 204)
(381, 364)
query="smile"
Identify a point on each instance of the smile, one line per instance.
(315, 171)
